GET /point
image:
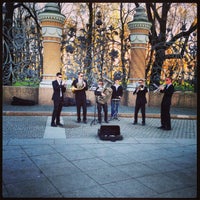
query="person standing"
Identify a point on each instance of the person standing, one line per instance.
(141, 100)
(99, 93)
(116, 96)
(79, 86)
(168, 91)
(59, 88)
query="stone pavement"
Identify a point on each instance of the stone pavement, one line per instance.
(43, 161)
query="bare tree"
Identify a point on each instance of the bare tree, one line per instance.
(159, 44)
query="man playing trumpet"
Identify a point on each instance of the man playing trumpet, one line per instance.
(59, 87)
(79, 87)
(141, 100)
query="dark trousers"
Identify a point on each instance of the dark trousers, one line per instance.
(56, 111)
(82, 104)
(165, 116)
(137, 108)
(105, 109)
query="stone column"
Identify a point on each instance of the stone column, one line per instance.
(139, 31)
(52, 22)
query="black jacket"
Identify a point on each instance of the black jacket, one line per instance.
(80, 93)
(96, 92)
(117, 93)
(168, 92)
(56, 90)
(141, 96)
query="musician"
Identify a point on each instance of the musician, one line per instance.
(59, 87)
(80, 85)
(168, 91)
(99, 92)
(141, 100)
(117, 94)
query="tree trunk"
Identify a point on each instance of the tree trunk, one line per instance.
(88, 63)
(157, 67)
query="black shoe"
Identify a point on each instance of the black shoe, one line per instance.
(134, 123)
(53, 125)
(99, 121)
(85, 121)
(143, 123)
(78, 121)
(59, 124)
(106, 121)
(161, 127)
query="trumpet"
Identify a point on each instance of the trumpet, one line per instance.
(140, 87)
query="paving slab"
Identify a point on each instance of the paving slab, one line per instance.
(147, 163)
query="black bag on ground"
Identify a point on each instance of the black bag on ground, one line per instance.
(69, 101)
(111, 133)
(22, 102)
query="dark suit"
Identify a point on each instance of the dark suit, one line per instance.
(140, 103)
(165, 106)
(57, 98)
(80, 97)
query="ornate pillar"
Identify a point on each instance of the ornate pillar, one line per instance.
(52, 22)
(139, 31)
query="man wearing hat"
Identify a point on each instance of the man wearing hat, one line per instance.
(116, 96)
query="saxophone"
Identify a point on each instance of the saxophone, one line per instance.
(79, 86)
(107, 90)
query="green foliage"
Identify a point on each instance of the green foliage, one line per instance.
(185, 86)
(26, 83)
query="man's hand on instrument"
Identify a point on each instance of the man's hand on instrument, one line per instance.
(161, 87)
(64, 83)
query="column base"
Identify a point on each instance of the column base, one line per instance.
(45, 92)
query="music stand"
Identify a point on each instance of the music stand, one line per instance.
(94, 121)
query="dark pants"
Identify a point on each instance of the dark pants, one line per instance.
(56, 111)
(165, 116)
(81, 103)
(105, 109)
(137, 108)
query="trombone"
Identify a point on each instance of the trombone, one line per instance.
(158, 88)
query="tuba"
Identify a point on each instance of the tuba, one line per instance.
(79, 86)
(107, 90)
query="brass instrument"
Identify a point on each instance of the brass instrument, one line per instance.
(161, 87)
(140, 87)
(79, 86)
(107, 90)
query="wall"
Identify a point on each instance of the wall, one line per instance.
(43, 96)
(29, 93)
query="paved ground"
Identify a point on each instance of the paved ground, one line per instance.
(43, 161)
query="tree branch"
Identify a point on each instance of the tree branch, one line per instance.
(182, 34)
